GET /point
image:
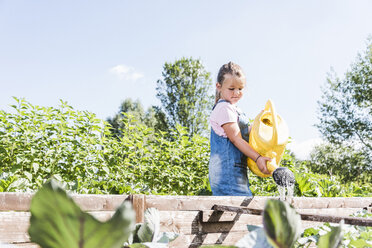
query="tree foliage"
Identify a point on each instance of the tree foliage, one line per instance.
(153, 117)
(348, 163)
(346, 105)
(345, 121)
(184, 92)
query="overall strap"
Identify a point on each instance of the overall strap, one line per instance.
(219, 101)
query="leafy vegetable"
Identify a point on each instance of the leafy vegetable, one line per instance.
(254, 239)
(149, 230)
(331, 239)
(56, 221)
(149, 233)
(281, 223)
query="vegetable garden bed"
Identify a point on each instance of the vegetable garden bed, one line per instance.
(190, 216)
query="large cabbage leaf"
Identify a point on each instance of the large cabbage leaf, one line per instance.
(331, 239)
(282, 223)
(149, 230)
(56, 221)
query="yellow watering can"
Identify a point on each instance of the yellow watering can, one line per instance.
(268, 136)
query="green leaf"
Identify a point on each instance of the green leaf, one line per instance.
(219, 246)
(35, 167)
(28, 175)
(138, 245)
(359, 243)
(281, 223)
(149, 230)
(254, 239)
(106, 169)
(252, 227)
(57, 177)
(56, 221)
(331, 239)
(310, 232)
(166, 237)
(155, 245)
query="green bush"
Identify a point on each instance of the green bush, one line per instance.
(78, 149)
(308, 183)
(348, 163)
(38, 142)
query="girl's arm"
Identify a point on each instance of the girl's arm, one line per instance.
(233, 133)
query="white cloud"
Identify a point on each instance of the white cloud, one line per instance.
(125, 72)
(302, 149)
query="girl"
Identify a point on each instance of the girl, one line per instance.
(229, 137)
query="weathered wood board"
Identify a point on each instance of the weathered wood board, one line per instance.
(191, 216)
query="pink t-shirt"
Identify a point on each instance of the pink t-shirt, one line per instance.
(223, 113)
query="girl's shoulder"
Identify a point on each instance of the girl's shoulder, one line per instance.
(225, 105)
(224, 112)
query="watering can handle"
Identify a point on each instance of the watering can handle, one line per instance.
(270, 106)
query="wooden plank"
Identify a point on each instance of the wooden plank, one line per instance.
(23, 245)
(186, 222)
(185, 240)
(99, 202)
(138, 202)
(22, 201)
(257, 202)
(221, 216)
(14, 225)
(174, 203)
(331, 202)
(196, 240)
(217, 216)
(15, 201)
(230, 238)
(312, 217)
(237, 209)
(240, 225)
(189, 222)
(337, 219)
(329, 211)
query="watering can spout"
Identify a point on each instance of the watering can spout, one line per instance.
(269, 136)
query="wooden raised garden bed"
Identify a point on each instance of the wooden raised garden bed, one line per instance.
(190, 216)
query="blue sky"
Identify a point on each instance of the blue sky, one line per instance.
(95, 54)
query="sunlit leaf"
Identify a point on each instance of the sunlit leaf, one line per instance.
(149, 230)
(281, 223)
(331, 239)
(254, 239)
(56, 221)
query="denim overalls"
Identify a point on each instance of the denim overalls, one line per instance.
(228, 165)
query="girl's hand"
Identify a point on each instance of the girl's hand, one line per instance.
(262, 165)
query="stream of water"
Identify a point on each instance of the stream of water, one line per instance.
(286, 193)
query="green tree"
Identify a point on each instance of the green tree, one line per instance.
(153, 117)
(346, 108)
(347, 162)
(184, 92)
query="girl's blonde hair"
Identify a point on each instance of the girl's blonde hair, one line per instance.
(231, 69)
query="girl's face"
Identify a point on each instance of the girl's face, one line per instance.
(231, 89)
